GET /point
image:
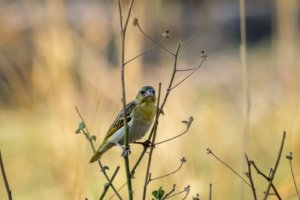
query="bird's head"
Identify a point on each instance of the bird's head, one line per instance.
(146, 95)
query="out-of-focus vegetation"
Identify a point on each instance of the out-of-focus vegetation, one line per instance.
(56, 54)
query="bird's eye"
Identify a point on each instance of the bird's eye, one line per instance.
(142, 92)
(153, 92)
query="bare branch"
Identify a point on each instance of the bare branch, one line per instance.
(290, 158)
(250, 177)
(118, 190)
(186, 189)
(88, 137)
(128, 15)
(153, 40)
(276, 165)
(153, 141)
(267, 178)
(146, 51)
(187, 41)
(175, 194)
(183, 160)
(188, 123)
(203, 57)
(183, 70)
(169, 192)
(109, 183)
(5, 179)
(210, 189)
(210, 152)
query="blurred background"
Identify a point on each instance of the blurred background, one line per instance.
(58, 54)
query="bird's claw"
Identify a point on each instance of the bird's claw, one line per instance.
(126, 153)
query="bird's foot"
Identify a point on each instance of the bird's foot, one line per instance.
(146, 143)
(126, 153)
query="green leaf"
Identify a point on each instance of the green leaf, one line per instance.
(162, 112)
(154, 193)
(81, 126)
(77, 131)
(93, 138)
(104, 168)
(158, 194)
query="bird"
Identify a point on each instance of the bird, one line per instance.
(140, 114)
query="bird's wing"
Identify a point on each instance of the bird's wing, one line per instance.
(119, 121)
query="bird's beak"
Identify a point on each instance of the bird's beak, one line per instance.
(149, 93)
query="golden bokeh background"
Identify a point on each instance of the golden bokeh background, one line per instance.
(56, 54)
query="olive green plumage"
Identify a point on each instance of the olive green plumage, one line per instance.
(139, 114)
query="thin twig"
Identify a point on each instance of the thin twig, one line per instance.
(5, 179)
(183, 70)
(250, 177)
(109, 183)
(182, 162)
(290, 157)
(276, 165)
(88, 137)
(210, 190)
(153, 141)
(146, 51)
(118, 190)
(187, 128)
(153, 40)
(176, 194)
(186, 189)
(202, 60)
(267, 178)
(187, 41)
(210, 152)
(169, 192)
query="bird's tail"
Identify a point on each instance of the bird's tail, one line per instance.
(97, 156)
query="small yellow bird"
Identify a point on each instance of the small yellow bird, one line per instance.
(139, 114)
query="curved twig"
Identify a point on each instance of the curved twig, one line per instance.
(145, 51)
(202, 60)
(169, 192)
(188, 127)
(153, 40)
(166, 174)
(210, 152)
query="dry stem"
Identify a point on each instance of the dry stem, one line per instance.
(109, 183)
(88, 137)
(5, 179)
(276, 165)
(153, 141)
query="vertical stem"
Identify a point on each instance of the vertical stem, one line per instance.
(210, 189)
(153, 141)
(122, 36)
(245, 86)
(250, 177)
